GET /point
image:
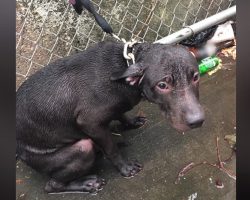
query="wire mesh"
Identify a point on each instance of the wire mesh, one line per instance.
(50, 29)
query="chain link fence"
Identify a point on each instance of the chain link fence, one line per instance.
(50, 29)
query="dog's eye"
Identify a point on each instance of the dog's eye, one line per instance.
(196, 77)
(162, 85)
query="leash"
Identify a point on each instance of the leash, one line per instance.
(78, 5)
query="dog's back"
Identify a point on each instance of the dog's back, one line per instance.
(47, 103)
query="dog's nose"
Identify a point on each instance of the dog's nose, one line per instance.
(195, 120)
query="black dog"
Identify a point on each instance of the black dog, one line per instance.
(64, 109)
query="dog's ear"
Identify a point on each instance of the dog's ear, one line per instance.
(131, 71)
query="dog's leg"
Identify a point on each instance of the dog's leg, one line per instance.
(101, 135)
(132, 123)
(68, 168)
(76, 161)
(87, 184)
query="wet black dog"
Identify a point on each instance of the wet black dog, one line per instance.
(63, 110)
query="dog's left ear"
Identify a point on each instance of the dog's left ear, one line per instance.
(132, 74)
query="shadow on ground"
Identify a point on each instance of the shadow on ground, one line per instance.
(163, 153)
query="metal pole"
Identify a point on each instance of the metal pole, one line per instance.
(199, 26)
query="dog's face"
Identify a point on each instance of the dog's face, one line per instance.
(169, 77)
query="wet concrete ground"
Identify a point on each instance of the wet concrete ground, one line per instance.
(163, 152)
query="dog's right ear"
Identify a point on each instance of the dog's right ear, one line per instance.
(134, 70)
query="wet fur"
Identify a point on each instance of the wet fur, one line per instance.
(71, 102)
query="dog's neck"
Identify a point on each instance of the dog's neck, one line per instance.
(138, 50)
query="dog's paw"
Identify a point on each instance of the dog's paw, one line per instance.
(136, 122)
(130, 169)
(90, 184)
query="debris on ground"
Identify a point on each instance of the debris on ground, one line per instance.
(193, 196)
(224, 32)
(219, 184)
(116, 134)
(219, 66)
(231, 139)
(227, 52)
(183, 171)
(230, 52)
(210, 180)
(216, 40)
(208, 64)
(21, 196)
(199, 39)
(211, 41)
(213, 35)
(219, 165)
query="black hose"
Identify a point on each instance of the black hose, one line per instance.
(80, 4)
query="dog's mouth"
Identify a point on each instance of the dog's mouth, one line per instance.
(180, 127)
(181, 121)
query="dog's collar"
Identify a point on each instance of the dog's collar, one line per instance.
(128, 51)
(130, 58)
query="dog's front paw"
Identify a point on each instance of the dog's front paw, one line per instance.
(136, 122)
(130, 169)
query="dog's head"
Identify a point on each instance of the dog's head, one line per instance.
(168, 76)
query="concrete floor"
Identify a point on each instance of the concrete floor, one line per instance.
(163, 152)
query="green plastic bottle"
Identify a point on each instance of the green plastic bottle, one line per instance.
(208, 64)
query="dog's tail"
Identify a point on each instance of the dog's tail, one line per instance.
(78, 6)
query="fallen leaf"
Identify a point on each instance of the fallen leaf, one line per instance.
(230, 52)
(231, 139)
